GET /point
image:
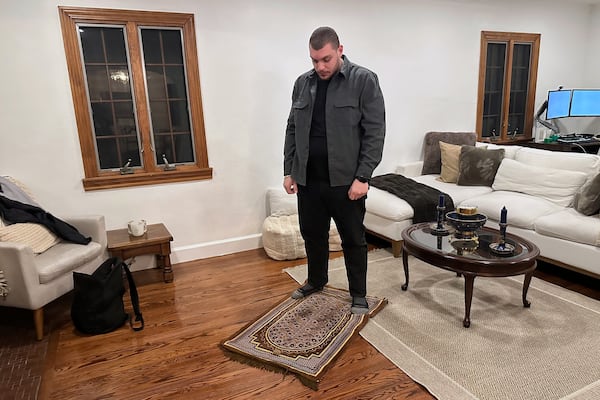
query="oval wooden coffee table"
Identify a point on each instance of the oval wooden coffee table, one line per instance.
(481, 261)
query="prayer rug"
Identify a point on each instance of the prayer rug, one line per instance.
(302, 336)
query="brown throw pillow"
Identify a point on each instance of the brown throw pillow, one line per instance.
(478, 166)
(432, 163)
(449, 155)
(587, 199)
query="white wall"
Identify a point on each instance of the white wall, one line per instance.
(592, 64)
(426, 53)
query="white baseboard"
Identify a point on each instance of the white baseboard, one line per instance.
(215, 248)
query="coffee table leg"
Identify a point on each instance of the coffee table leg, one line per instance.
(469, 279)
(526, 283)
(405, 263)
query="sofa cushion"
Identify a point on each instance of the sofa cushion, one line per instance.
(556, 185)
(36, 236)
(64, 257)
(386, 205)
(458, 193)
(478, 166)
(450, 154)
(570, 225)
(510, 151)
(432, 162)
(587, 198)
(523, 209)
(588, 163)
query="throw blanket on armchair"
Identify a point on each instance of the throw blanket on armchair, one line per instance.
(14, 212)
(422, 198)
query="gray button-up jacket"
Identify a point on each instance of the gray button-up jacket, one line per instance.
(354, 121)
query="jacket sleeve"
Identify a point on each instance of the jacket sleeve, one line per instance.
(289, 148)
(373, 126)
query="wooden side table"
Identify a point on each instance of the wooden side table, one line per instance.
(157, 240)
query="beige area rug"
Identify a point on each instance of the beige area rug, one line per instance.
(549, 351)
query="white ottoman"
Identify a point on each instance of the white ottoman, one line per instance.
(281, 231)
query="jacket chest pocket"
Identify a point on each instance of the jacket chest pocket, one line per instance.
(301, 113)
(346, 112)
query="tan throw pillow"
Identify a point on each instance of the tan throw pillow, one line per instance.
(449, 155)
(36, 236)
(587, 199)
(477, 166)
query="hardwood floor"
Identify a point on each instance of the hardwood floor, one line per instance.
(177, 355)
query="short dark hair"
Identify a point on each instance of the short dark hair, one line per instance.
(323, 35)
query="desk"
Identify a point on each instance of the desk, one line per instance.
(157, 240)
(592, 146)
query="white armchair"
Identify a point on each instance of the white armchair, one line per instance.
(33, 280)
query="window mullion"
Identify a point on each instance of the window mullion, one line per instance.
(507, 86)
(139, 91)
(193, 76)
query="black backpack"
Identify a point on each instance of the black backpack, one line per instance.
(98, 299)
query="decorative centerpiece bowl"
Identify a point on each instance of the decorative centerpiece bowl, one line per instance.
(467, 212)
(465, 225)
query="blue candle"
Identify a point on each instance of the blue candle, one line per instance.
(503, 215)
(441, 203)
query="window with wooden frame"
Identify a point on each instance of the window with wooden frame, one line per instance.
(136, 92)
(508, 66)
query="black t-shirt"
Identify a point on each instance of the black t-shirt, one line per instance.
(317, 168)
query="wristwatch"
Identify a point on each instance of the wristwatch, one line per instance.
(362, 179)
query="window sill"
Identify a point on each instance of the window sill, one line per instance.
(114, 181)
(506, 141)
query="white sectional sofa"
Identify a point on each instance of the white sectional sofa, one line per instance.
(538, 188)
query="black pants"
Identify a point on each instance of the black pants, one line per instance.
(318, 203)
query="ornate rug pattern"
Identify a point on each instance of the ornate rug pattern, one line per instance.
(302, 336)
(550, 351)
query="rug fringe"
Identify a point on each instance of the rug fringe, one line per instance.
(242, 359)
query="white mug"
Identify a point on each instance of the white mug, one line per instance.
(136, 227)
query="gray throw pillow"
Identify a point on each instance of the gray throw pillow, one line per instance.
(478, 166)
(587, 199)
(432, 158)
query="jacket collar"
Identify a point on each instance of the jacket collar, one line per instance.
(343, 71)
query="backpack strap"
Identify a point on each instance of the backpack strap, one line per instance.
(135, 300)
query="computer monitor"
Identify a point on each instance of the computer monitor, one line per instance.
(585, 103)
(559, 102)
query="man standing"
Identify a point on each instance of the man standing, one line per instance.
(333, 142)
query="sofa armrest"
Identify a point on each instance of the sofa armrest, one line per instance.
(90, 225)
(410, 169)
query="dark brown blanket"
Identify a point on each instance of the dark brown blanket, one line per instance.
(422, 198)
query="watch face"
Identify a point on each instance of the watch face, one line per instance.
(362, 179)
